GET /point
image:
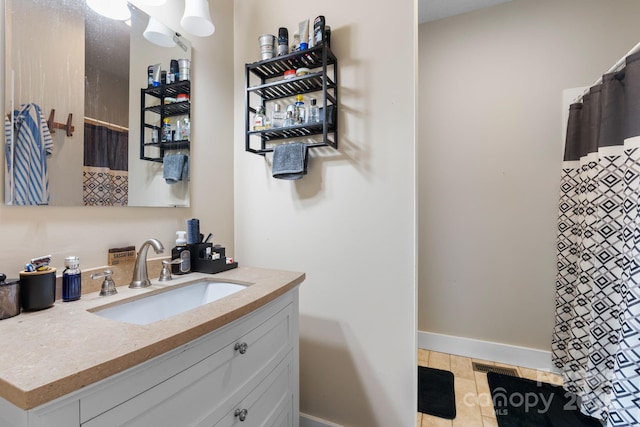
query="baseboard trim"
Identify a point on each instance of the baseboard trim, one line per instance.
(486, 350)
(311, 421)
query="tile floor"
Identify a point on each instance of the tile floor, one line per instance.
(473, 398)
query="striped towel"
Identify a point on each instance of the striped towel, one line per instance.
(27, 156)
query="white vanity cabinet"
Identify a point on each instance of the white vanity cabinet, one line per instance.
(243, 374)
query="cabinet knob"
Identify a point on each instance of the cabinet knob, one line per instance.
(241, 414)
(241, 347)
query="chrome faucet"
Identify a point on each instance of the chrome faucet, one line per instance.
(140, 276)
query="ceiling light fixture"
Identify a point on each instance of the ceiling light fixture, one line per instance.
(114, 9)
(197, 19)
(153, 2)
(158, 33)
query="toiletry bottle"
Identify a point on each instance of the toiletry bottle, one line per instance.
(283, 41)
(277, 117)
(295, 46)
(314, 112)
(301, 110)
(186, 129)
(318, 30)
(289, 119)
(260, 120)
(71, 279)
(181, 251)
(154, 134)
(166, 130)
(173, 67)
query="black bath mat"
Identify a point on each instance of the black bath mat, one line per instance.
(520, 402)
(435, 393)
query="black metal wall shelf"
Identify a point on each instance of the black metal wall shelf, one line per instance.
(163, 110)
(169, 90)
(177, 145)
(170, 110)
(271, 86)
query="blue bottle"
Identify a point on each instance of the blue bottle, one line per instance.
(71, 279)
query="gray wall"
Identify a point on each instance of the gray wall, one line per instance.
(489, 147)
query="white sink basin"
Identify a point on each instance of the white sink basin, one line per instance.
(169, 303)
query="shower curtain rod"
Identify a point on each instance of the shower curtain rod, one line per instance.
(103, 123)
(616, 67)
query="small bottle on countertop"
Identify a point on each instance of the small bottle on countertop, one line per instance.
(181, 252)
(71, 279)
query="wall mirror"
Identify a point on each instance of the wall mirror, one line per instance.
(85, 74)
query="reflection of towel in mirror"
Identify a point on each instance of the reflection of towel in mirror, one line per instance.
(26, 156)
(289, 161)
(172, 167)
(185, 169)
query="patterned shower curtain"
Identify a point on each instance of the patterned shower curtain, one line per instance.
(106, 164)
(596, 340)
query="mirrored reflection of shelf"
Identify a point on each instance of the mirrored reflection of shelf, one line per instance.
(153, 116)
(171, 109)
(163, 146)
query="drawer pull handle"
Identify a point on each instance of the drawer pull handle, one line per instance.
(241, 414)
(241, 347)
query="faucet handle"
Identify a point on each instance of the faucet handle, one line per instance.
(165, 274)
(108, 285)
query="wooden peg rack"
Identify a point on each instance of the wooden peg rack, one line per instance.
(64, 126)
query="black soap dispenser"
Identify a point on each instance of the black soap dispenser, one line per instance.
(181, 252)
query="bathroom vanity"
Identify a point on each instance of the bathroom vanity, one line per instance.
(229, 362)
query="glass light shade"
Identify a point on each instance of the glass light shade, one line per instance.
(153, 2)
(114, 9)
(197, 19)
(158, 33)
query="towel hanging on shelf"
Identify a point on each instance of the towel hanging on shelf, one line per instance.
(175, 167)
(289, 161)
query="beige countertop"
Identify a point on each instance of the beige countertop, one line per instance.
(49, 353)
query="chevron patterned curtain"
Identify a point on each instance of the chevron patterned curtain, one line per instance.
(596, 340)
(105, 172)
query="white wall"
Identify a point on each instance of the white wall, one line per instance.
(350, 223)
(88, 232)
(490, 155)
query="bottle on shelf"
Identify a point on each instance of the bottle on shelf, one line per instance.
(260, 119)
(290, 119)
(154, 135)
(301, 110)
(314, 112)
(277, 117)
(166, 130)
(186, 129)
(177, 135)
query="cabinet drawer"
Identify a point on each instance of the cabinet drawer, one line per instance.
(267, 405)
(198, 390)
